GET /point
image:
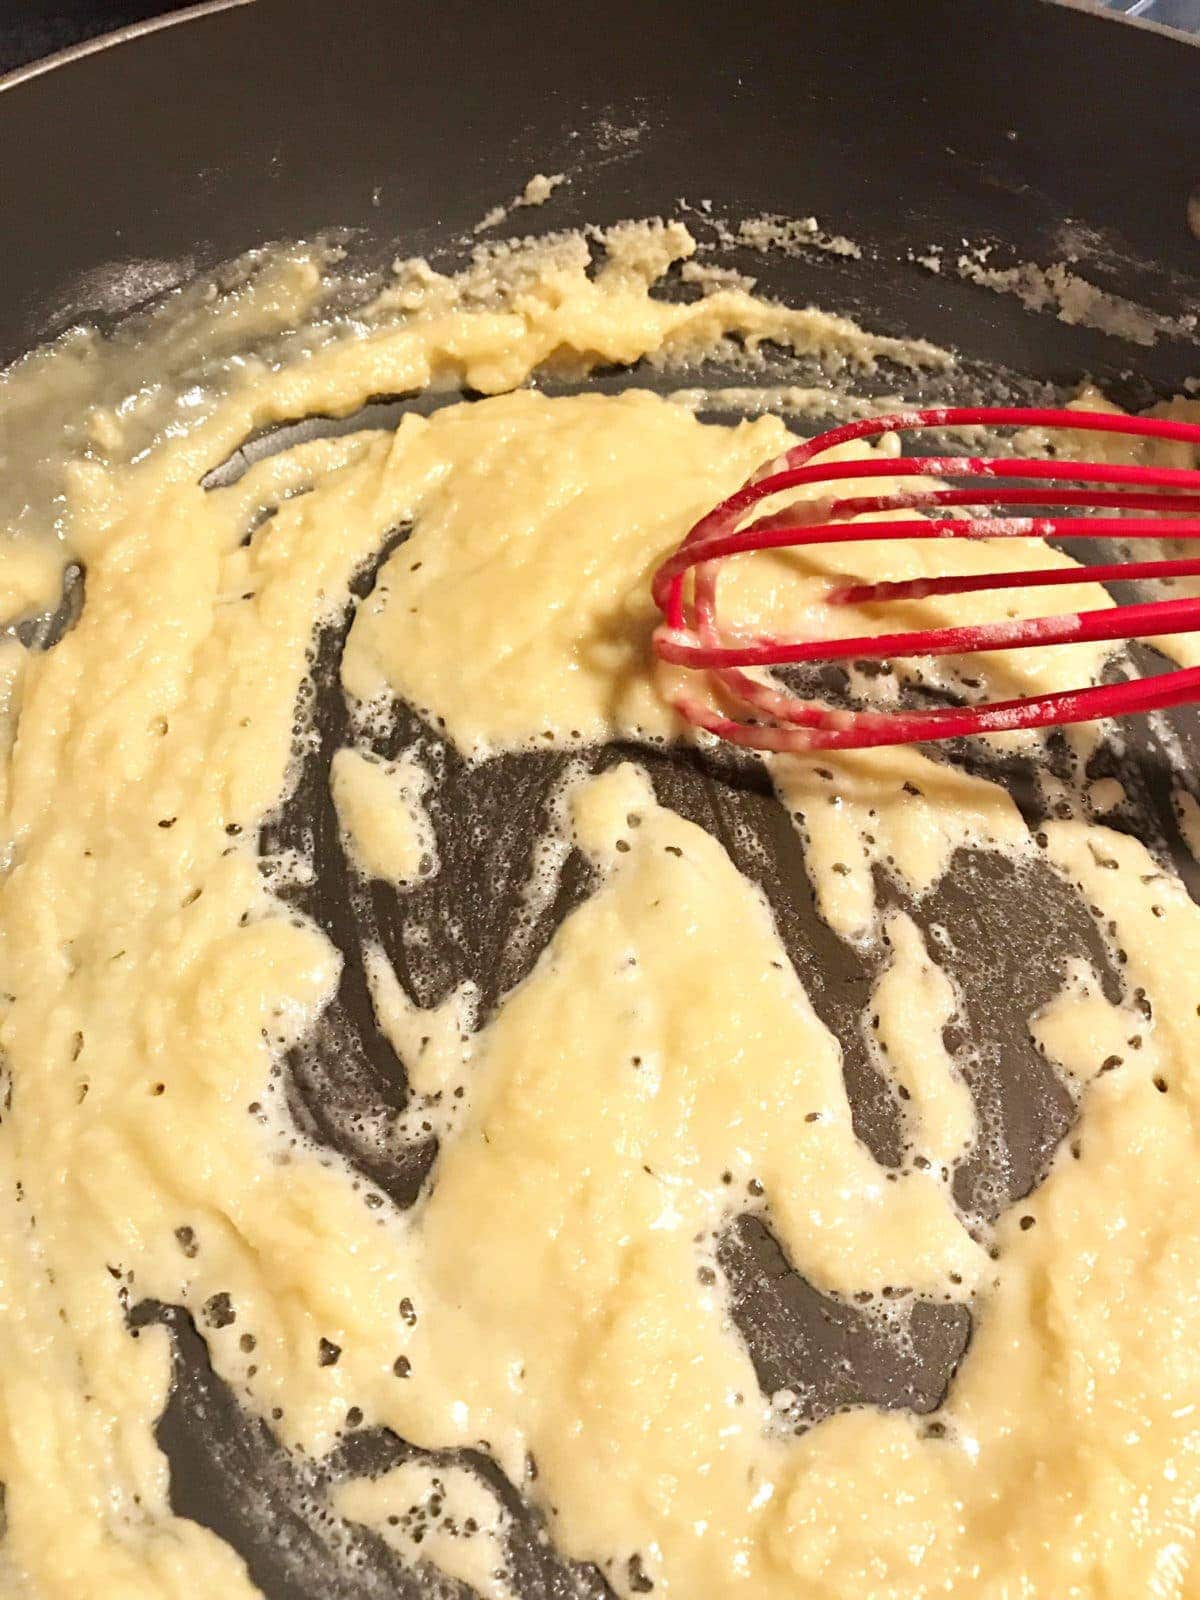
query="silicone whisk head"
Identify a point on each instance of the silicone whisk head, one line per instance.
(970, 497)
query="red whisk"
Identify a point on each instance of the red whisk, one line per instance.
(691, 636)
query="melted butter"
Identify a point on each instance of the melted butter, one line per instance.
(554, 1292)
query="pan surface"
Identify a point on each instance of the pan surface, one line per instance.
(403, 124)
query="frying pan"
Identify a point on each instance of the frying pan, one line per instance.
(1042, 131)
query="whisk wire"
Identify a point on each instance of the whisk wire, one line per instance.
(691, 636)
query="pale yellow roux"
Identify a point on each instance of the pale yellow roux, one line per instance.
(662, 1040)
(381, 815)
(434, 1042)
(461, 1522)
(919, 1002)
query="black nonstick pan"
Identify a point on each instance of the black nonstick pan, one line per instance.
(1050, 134)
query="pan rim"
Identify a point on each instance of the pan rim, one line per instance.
(105, 41)
(1145, 24)
(205, 8)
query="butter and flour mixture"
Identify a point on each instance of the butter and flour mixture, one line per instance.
(469, 1168)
